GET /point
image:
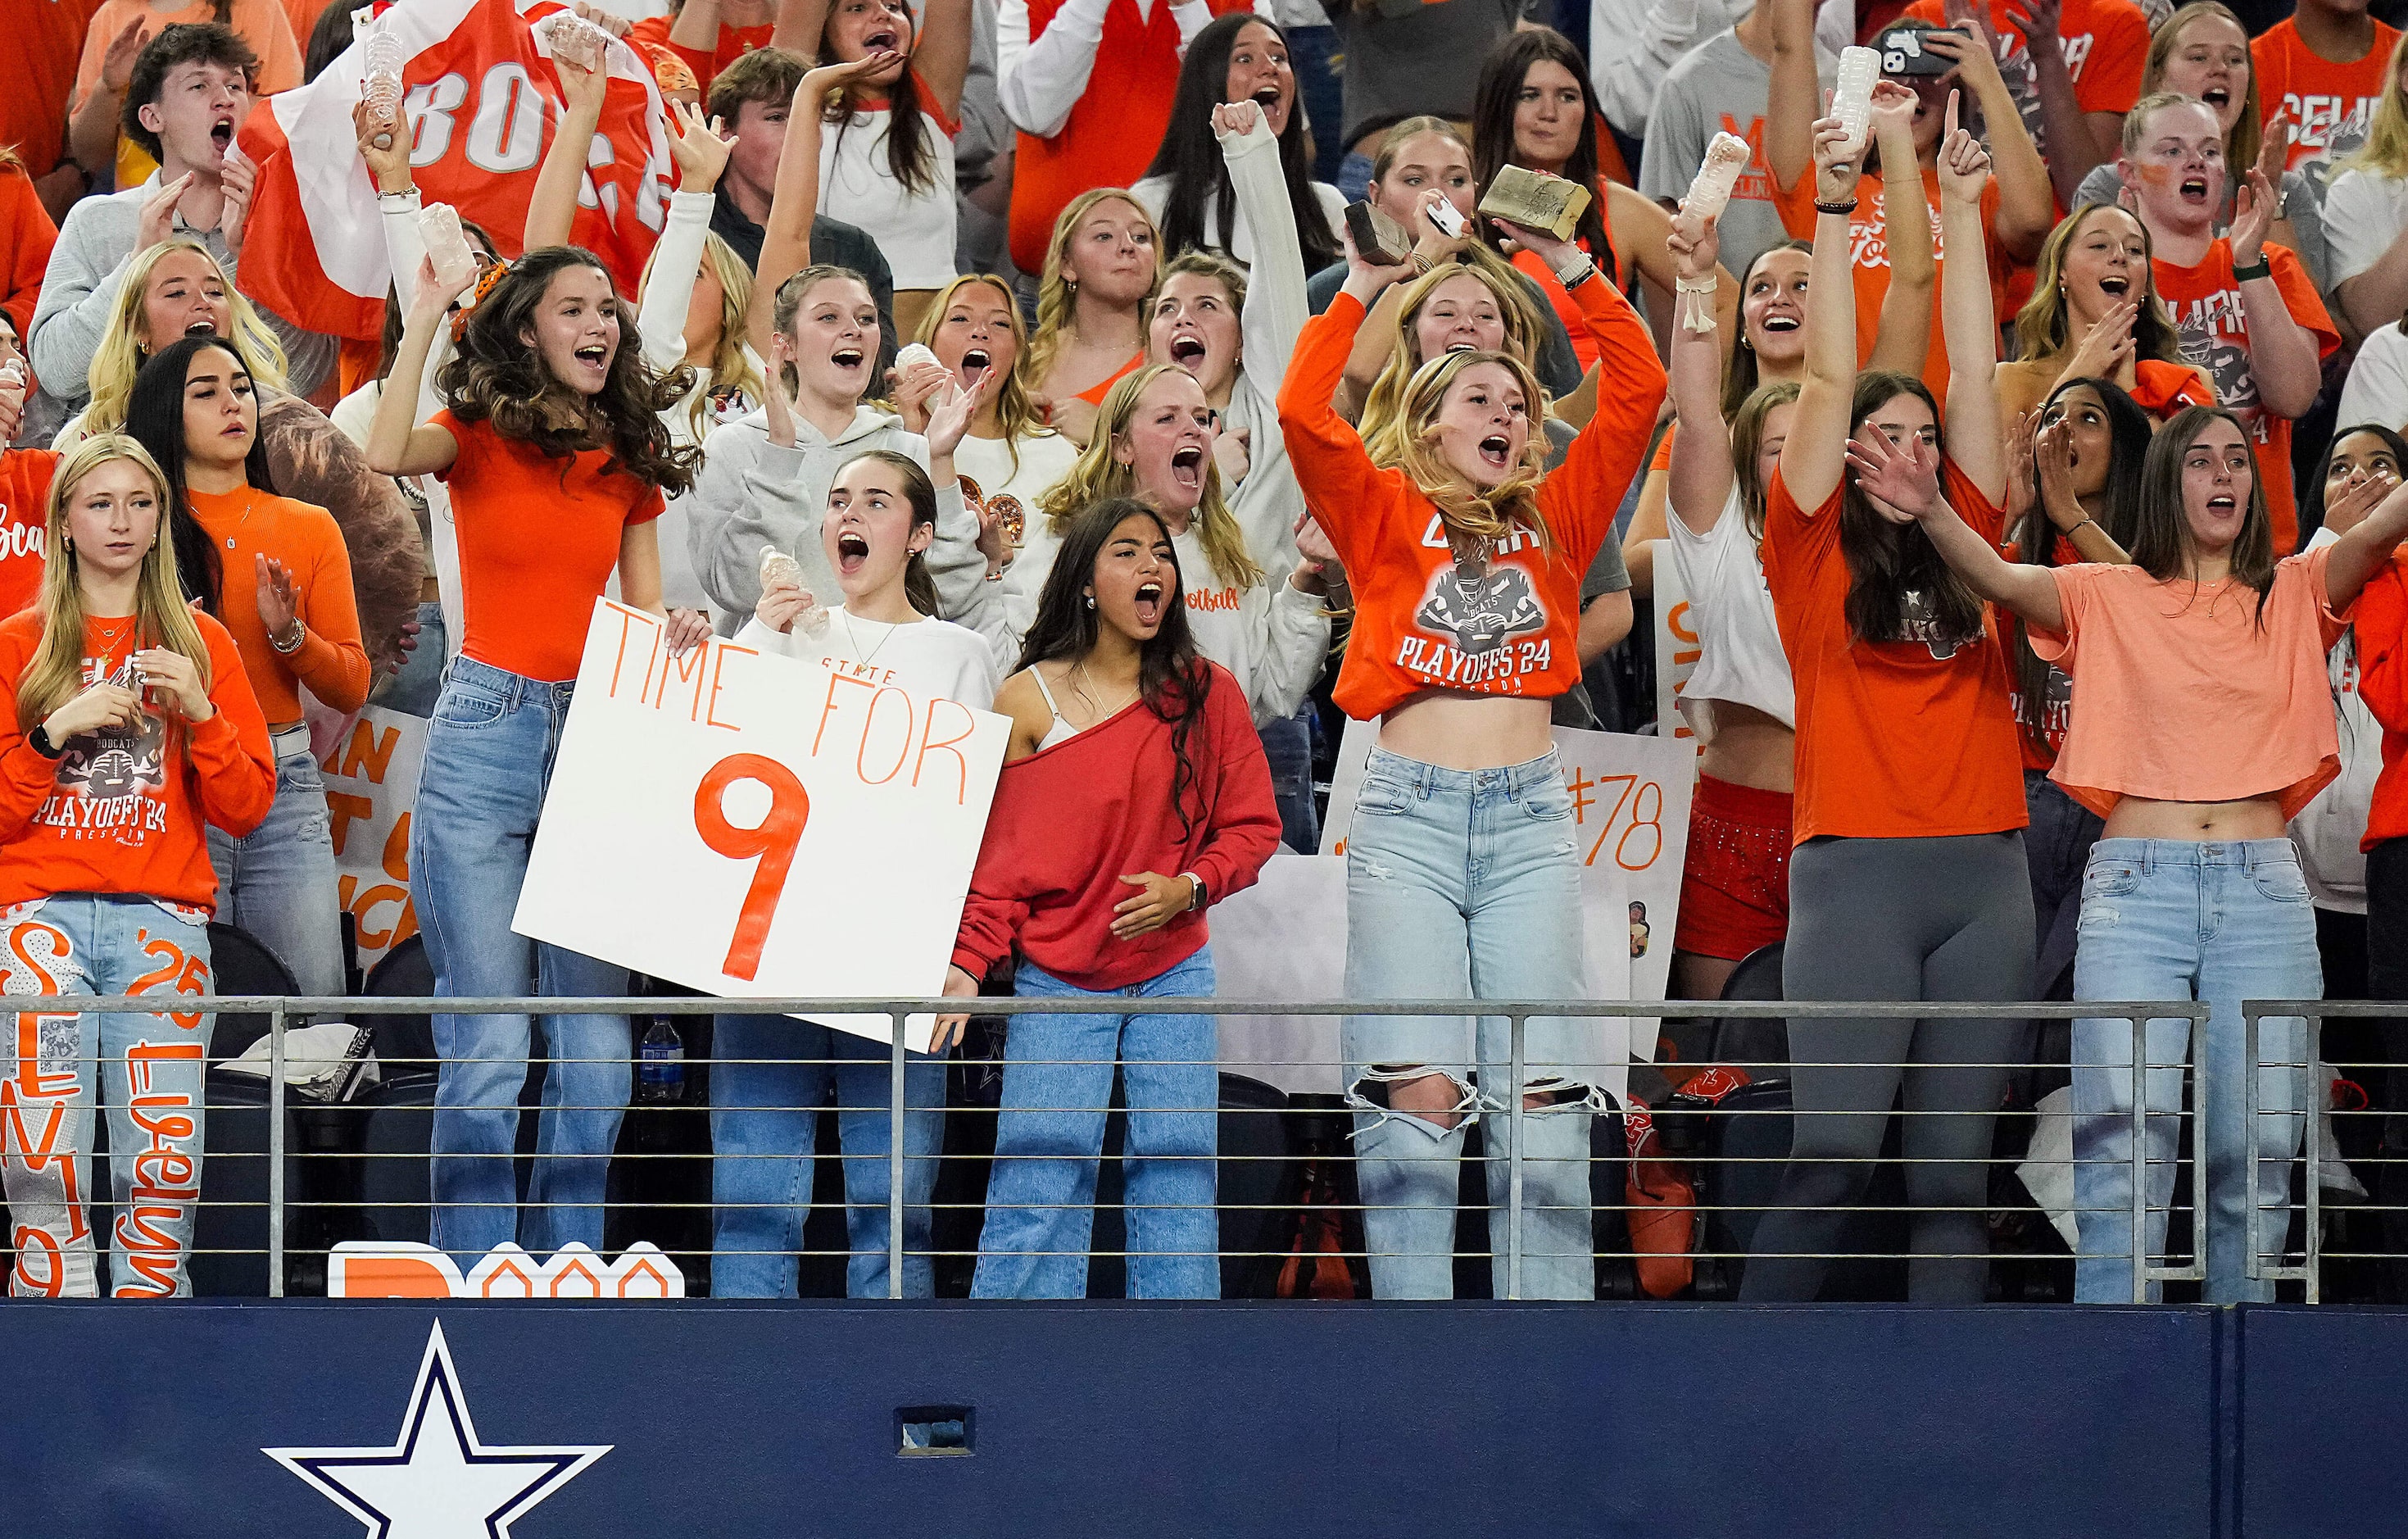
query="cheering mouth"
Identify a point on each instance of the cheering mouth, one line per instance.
(1783, 321)
(1148, 604)
(847, 357)
(202, 327)
(976, 361)
(2194, 189)
(2218, 98)
(222, 134)
(594, 356)
(1187, 466)
(2114, 287)
(851, 551)
(1187, 350)
(2223, 502)
(1497, 451)
(880, 42)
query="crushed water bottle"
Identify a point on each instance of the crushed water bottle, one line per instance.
(1851, 100)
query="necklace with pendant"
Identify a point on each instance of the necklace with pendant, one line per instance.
(849, 635)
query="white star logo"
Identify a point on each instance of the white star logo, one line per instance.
(438, 1480)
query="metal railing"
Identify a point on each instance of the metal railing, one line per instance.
(2148, 1271)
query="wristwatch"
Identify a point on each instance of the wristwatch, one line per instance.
(1198, 901)
(38, 739)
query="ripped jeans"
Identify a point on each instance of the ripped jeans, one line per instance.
(1465, 884)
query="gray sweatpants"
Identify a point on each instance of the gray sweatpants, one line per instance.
(1897, 919)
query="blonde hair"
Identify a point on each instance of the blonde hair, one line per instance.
(120, 354)
(55, 674)
(2044, 326)
(1492, 515)
(1014, 412)
(2386, 150)
(1096, 475)
(731, 363)
(2241, 145)
(1382, 405)
(1057, 298)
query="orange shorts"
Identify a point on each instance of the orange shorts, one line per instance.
(1735, 886)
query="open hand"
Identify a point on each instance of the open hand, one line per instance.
(237, 177)
(950, 412)
(116, 64)
(277, 608)
(1902, 482)
(2253, 215)
(700, 148)
(157, 221)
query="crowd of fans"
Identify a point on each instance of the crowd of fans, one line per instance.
(2040, 546)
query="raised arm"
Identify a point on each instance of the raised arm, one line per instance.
(1341, 484)
(1965, 318)
(1902, 332)
(551, 209)
(1814, 457)
(786, 237)
(2283, 353)
(2075, 145)
(1700, 477)
(1902, 482)
(2026, 201)
(1793, 99)
(942, 56)
(701, 156)
(397, 445)
(798, 27)
(1276, 307)
(1039, 79)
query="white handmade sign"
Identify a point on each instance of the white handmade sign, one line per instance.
(1630, 811)
(371, 775)
(1676, 654)
(752, 825)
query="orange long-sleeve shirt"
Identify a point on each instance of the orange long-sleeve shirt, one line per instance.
(248, 523)
(26, 237)
(2381, 621)
(124, 811)
(1419, 622)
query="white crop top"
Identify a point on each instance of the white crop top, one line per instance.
(1740, 657)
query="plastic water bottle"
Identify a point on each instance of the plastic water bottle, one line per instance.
(383, 55)
(1851, 100)
(1717, 174)
(660, 1072)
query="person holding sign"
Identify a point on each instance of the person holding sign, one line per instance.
(556, 458)
(1462, 875)
(275, 573)
(2195, 891)
(1133, 793)
(769, 1074)
(129, 732)
(1907, 878)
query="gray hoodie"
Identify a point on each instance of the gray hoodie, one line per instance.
(752, 493)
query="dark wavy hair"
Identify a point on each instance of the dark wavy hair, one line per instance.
(497, 376)
(1887, 561)
(911, 155)
(1173, 679)
(2160, 544)
(1492, 129)
(2312, 496)
(1190, 154)
(154, 417)
(2041, 544)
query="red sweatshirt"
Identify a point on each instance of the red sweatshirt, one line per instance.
(1069, 820)
(2381, 622)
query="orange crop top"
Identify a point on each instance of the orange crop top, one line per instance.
(1420, 621)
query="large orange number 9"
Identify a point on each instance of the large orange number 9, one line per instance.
(774, 841)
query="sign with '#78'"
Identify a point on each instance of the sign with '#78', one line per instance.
(751, 826)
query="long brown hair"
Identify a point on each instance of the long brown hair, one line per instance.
(1887, 561)
(919, 588)
(55, 674)
(1014, 412)
(1501, 76)
(1742, 375)
(1470, 514)
(2044, 326)
(1096, 475)
(2161, 536)
(1747, 448)
(911, 155)
(497, 376)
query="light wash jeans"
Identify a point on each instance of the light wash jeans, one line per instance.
(103, 944)
(1465, 884)
(769, 1075)
(2220, 923)
(1049, 1141)
(414, 690)
(489, 755)
(278, 885)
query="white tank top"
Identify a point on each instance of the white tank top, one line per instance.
(1739, 644)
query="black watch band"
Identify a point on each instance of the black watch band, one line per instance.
(39, 740)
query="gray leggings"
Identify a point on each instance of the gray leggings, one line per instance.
(1897, 919)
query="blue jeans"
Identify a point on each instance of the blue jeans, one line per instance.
(1288, 746)
(279, 884)
(769, 1075)
(103, 944)
(1465, 884)
(2220, 923)
(489, 755)
(1049, 1141)
(415, 689)
(2058, 848)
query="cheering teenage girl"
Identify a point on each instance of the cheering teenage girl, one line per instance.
(1463, 880)
(130, 730)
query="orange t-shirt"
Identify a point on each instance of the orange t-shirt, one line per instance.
(121, 811)
(1895, 739)
(538, 541)
(2106, 45)
(26, 237)
(1421, 621)
(2188, 694)
(25, 507)
(2205, 303)
(1869, 248)
(649, 38)
(45, 40)
(2381, 620)
(262, 24)
(2332, 104)
(248, 523)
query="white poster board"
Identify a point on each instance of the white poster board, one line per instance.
(371, 774)
(1676, 655)
(755, 827)
(1630, 811)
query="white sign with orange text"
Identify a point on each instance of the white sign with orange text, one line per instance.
(756, 827)
(1677, 650)
(371, 776)
(1630, 811)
